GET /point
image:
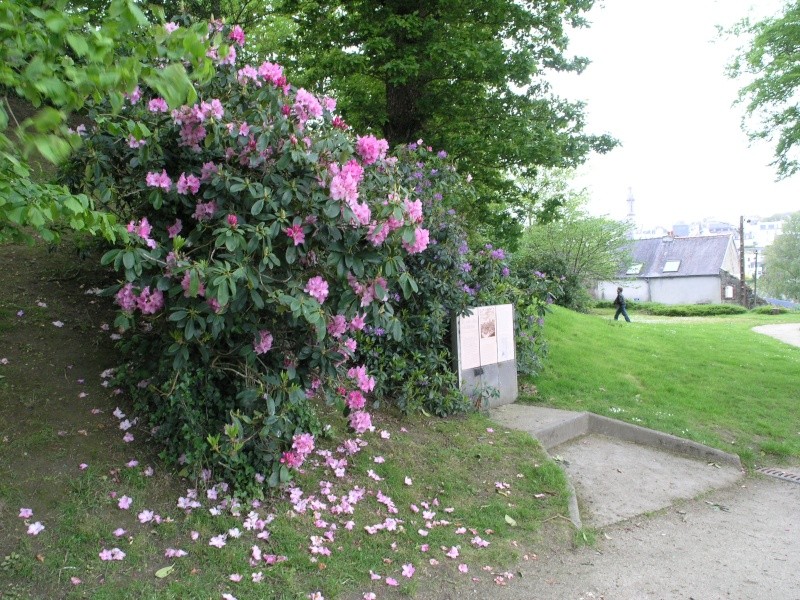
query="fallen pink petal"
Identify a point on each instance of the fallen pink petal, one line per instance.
(391, 581)
(408, 570)
(25, 513)
(35, 528)
(463, 568)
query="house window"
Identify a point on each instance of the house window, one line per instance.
(728, 292)
(671, 266)
(634, 269)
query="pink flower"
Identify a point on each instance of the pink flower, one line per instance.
(360, 421)
(408, 481)
(119, 532)
(125, 502)
(414, 210)
(145, 516)
(188, 184)
(371, 149)
(113, 554)
(317, 288)
(235, 577)
(159, 180)
(174, 553)
(204, 210)
(35, 528)
(217, 540)
(365, 382)
(452, 553)
(237, 35)
(128, 438)
(303, 443)
(83, 466)
(421, 240)
(233, 220)
(263, 342)
(463, 568)
(75, 581)
(296, 233)
(306, 106)
(392, 581)
(408, 570)
(150, 302)
(356, 401)
(369, 596)
(157, 105)
(25, 513)
(171, 26)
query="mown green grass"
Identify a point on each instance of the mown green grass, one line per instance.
(711, 379)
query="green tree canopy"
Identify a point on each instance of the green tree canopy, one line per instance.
(782, 262)
(576, 247)
(465, 77)
(770, 67)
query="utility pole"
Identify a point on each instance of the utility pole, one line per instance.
(742, 286)
(755, 282)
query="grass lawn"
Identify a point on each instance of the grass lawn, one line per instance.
(709, 379)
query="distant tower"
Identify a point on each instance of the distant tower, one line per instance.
(631, 215)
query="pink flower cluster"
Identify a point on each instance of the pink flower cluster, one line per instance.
(159, 180)
(371, 149)
(421, 241)
(306, 106)
(188, 184)
(263, 342)
(344, 185)
(368, 292)
(143, 229)
(191, 119)
(148, 301)
(302, 446)
(317, 288)
(296, 233)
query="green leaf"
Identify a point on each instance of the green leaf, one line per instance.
(511, 521)
(165, 571)
(78, 44)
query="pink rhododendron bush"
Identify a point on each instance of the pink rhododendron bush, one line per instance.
(264, 242)
(262, 236)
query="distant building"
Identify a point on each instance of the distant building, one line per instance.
(690, 270)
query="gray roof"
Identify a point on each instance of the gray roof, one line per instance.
(698, 256)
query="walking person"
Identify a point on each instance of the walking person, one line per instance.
(619, 302)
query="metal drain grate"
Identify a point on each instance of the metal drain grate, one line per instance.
(785, 475)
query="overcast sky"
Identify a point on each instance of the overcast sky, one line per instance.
(657, 83)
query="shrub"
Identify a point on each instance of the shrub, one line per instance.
(270, 261)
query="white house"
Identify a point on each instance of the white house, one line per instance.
(690, 270)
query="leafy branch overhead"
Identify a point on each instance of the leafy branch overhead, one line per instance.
(56, 59)
(769, 67)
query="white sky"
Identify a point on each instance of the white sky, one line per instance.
(657, 83)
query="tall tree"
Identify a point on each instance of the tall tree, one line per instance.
(576, 247)
(782, 262)
(466, 77)
(770, 64)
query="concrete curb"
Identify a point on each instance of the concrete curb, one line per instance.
(585, 423)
